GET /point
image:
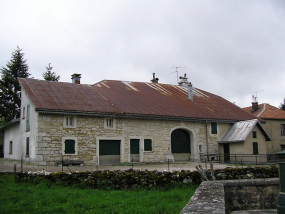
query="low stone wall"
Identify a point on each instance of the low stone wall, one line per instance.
(226, 196)
(256, 194)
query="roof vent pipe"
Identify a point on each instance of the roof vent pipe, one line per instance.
(154, 80)
(76, 78)
(190, 91)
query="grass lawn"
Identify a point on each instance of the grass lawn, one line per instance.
(46, 198)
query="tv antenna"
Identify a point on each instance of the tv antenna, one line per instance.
(176, 70)
(254, 98)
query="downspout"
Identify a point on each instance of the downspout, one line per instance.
(207, 140)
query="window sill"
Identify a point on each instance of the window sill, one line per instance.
(27, 156)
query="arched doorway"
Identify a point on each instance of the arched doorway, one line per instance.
(180, 145)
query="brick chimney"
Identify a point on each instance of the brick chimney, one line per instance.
(154, 80)
(76, 78)
(254, 106)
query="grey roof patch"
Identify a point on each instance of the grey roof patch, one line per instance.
(17, 120)
(239, 131)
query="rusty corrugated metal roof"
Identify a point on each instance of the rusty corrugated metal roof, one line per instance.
(168, 100)
(130, 98)
(59, 96)
(239, 131)
(266, 111)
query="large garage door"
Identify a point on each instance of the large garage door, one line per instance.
(109, 151)
(180, 145)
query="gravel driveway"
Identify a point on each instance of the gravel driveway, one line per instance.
(7, 165)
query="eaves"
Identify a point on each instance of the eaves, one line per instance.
(134, 116)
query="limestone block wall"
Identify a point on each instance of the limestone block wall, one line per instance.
(51, 132)
(89, 130)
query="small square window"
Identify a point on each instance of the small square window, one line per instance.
(69, 122)
(282, 147)
(147, 145)
(109, 123)
(254, 134)
(69, 146)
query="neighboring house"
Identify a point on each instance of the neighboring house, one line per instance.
(118, 121)
(244, 137)
(274, 124)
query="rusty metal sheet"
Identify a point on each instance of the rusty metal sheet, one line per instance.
(61, 96)
(136, 98)
(168, 100)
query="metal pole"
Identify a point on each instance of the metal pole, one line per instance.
(15, 173)
(62, 163)
(255, 159)
(22, 162)
(207, 140)
(168, 165)
(97, 164)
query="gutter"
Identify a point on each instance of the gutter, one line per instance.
(136, 116)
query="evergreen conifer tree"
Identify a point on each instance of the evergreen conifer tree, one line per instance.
(10, 101)
(49, 75)
(282, 105)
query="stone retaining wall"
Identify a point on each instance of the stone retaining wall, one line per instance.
(225, 196)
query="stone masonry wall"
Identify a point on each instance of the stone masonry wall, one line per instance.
(88, 129)
(232, 195)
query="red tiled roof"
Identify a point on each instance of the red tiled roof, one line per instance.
(131, 98)
(266, 111)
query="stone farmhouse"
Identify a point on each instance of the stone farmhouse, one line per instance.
(118, 121)
(274, 124)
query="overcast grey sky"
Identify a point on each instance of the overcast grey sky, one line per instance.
(228, 47)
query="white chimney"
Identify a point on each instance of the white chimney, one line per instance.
(76, 78)
(190, 91)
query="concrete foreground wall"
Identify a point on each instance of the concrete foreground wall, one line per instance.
(220, 197)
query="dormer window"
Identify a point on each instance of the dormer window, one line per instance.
(69, 122)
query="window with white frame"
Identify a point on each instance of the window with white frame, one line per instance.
(69, 122)
(69, 146)
(282, 129)
(109, 123)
